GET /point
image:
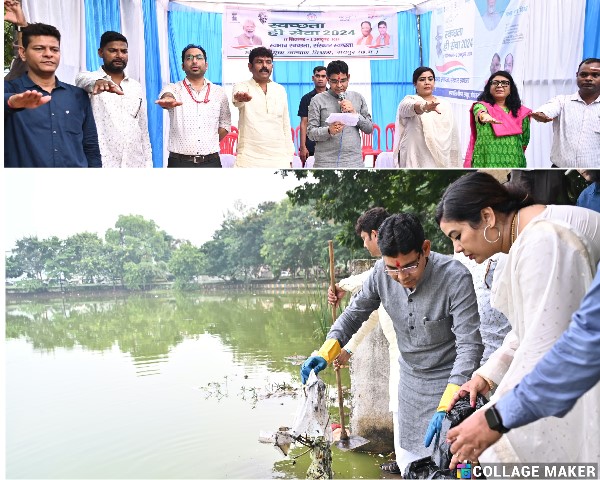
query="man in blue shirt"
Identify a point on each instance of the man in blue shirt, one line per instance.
(561, 377)
(590, 197)
(47, 123)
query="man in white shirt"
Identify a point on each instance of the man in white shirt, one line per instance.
(576, 120)
(119, 107)
(199, 114)
(265, 135)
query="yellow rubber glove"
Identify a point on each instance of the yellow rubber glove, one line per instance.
(451, 389)
(330, 349)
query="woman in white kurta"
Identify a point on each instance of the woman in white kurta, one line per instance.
(552, 256)
(426, 135)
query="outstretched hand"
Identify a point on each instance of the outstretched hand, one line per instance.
(103, 85)
(485, 117)
(242, 97)
(540, 117)
(28, 99)
(168, 102)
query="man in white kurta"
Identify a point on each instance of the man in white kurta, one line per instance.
(265, 135)
(119, 107)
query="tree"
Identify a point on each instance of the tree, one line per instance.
(295, 238)
(32, 255)
(83, 253)
(136, 240)
(137, 276)
(234, 252)
(186, 265)
(13, 268)
(343, 195)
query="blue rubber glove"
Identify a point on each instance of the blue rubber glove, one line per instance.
(435, 427)
(316, 363)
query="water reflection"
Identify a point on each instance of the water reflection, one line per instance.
(176, 386)
(259, 329)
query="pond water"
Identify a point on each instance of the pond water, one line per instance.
(159, 386)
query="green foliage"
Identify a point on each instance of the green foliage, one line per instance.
(186, 265)
(343, 195)
(8, 44)
(31, 285)
(137, 276)
(295, 238)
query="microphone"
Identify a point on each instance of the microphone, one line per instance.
(342, 97)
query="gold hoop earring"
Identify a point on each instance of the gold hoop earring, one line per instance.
(485, 234)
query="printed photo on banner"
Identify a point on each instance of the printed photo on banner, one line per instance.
(464, 53)
(311, 35)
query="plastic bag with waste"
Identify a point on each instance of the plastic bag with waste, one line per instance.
(437, 465)
(312, 417)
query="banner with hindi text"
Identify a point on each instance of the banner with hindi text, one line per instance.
(472, 39)
(311, 35)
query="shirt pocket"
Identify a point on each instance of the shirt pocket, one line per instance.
(72, 120)
(435, 331)
(132, 106)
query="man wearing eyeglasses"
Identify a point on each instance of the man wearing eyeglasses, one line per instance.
(119, 106)
(433, 307)
(576, 120)
(265, 138)
(199, 114)
(338, 145)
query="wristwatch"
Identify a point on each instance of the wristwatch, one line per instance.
(494, 420)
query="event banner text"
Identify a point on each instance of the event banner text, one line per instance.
(311, 35)
(473, 39)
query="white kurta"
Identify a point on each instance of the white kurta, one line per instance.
(265, 135)
(546, 274)
(429, 140)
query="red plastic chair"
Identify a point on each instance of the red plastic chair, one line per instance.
(390, 130)
(367, 143)
(229, 143)
(234, 130)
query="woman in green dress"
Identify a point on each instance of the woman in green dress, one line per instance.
(499, 126)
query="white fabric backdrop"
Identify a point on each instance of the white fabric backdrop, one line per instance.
(132, 26)
(69, 17)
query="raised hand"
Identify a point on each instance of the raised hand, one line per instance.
(103, 85)
(485, 117)
(13, 13)
(242, 97)
(540, 117)
(28, 99)
(167, 102)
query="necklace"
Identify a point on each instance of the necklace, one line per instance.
(513, 231)
(189, 90)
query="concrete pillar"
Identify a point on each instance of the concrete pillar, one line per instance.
(369, 375)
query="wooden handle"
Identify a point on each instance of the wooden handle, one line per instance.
(338, 377)
(331, 276)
